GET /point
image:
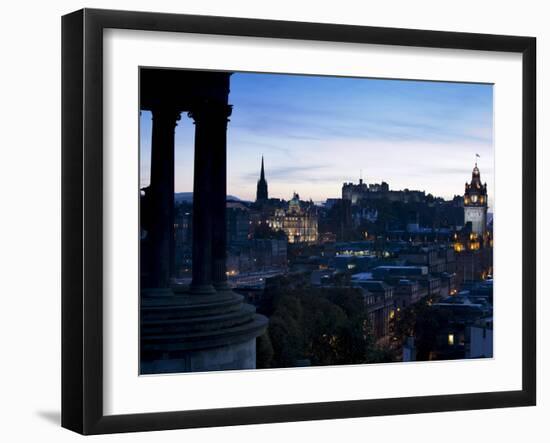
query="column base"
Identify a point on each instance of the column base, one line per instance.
(185, 333)
(157, 292)
(201, 289)
(222, 286)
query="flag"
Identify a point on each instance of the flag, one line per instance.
(478, 156)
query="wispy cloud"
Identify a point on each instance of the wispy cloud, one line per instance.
(317, 132)
(286, 172)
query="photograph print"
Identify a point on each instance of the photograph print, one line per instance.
(302, 221)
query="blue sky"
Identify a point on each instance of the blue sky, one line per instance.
(318, 132)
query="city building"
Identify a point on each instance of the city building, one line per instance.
(238, 223)
(475, 204)
(299, 221)
(473, 243)
(336, 223)
(183, 238)
(378, 191)
(479, 339)
(437, 257)
(466, 321)
(379, 303)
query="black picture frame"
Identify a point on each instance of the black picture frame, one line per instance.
(82, 218)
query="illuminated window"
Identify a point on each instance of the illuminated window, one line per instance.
(451, 339)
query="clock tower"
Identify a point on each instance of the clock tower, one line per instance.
(475, 204)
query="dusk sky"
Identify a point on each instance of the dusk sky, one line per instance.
(318, 132)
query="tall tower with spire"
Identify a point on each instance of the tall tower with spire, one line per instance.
(261, 189)
(475, 203)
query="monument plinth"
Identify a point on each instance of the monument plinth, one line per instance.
(206, 326)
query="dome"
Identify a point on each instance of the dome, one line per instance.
(294, 204)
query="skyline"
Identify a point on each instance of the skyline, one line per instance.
(319, 132)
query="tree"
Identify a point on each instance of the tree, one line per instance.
(264, 351)
(423, 322)
(287, 340)
(326, 326)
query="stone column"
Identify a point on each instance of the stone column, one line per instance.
(219, 198)
(162, 196)
(210, 136)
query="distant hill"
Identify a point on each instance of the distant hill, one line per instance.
(188, 197)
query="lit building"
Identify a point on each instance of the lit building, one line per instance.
(474, 235)
(475, 204)
(473, 243)
(299, 221)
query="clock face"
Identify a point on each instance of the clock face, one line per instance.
(474, 198)
(474, 214)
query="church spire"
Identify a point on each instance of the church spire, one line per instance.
(261, 189)
(262, 174)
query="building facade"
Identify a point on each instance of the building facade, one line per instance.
(475, 203)
(299, 221)
(473, 243)
(356, 193)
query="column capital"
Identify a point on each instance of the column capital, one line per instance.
(210, 110)
(166, 115)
